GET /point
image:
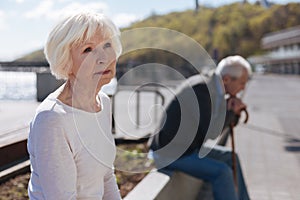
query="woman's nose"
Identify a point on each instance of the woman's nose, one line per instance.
(102, 57)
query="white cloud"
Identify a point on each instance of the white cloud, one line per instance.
(64, 0)
(47, 10)
(125, 19)
(73, 7)
(19, 1)
(41, 10)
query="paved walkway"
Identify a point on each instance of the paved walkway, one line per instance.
(269, 145)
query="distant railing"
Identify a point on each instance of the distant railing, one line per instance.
(25, 66)
(152, 89)
(146, 88)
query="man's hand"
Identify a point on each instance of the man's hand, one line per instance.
(236, 105)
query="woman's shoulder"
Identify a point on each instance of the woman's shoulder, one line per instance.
(49, 111)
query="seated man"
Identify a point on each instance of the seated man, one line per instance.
(199, 113)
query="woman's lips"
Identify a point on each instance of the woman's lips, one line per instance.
(103, 72)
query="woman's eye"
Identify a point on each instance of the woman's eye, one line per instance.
(107, 45)
(89, 49)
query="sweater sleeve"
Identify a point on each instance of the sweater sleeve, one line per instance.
(54, 161)
(111, 190)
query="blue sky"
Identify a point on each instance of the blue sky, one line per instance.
(25, 24)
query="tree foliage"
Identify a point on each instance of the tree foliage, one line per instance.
(231, 29)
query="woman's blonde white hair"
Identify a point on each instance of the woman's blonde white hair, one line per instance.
(233, 66)
(73, 30)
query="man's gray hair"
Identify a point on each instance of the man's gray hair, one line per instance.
(233, 66)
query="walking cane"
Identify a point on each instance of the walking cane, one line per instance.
(233, 150)
(233, 157)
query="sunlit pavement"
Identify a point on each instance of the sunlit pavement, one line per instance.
(269, 144)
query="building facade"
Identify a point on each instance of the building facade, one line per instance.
(283, 52)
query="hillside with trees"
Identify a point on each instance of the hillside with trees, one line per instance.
(231, 29)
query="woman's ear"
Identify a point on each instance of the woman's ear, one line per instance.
(69, 68)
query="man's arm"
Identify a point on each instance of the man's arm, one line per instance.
(234, 108)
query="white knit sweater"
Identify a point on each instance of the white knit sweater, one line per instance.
(71, 152)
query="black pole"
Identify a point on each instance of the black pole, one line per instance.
(197, 5)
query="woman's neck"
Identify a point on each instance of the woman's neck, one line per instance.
(80, 98)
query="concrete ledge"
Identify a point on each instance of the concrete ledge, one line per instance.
(178, 186)
(174, 185)
(181, 186)
(150, 187)
(15, 170)
(14, 136)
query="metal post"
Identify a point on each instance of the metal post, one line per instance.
(137, 109)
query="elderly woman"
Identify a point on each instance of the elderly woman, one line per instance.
(70, 142)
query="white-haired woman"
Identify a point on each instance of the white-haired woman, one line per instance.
(70, 142)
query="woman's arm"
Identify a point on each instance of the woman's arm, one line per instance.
(111, 190)
(54, 163)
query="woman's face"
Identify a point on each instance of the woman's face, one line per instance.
(94, 62)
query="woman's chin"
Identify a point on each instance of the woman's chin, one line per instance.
(103, 82)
